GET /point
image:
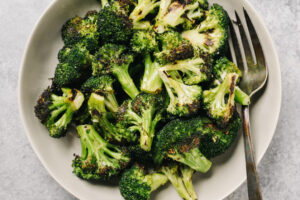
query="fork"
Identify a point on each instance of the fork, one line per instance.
(255, 76)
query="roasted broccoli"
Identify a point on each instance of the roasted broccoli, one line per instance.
(210, 37)
(114, 25)
(104, 2)
(141, 156)
(184, 99)
(141, 115)
(65, 75)
(137, 184)
(173, 47)
(114, 59)
(141, 10)
(82, 30)
(99, 159)
(56, 112)
(219, 101)
(113, 132)
(181, 179)
(185, 13)
(144, 42)
(179, 141)
(76, 55)
(102, 85)
(222, 67)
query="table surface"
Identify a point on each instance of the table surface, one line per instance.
(22, 176)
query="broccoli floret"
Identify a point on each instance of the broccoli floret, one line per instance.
(114, 59)
(82, 30)
(142, 114)
(173, 47)
(184, 99)
(99, 159)
(113, 132)
(151, 82)
(219, 101)
(144, 42)
(77, 56)
(172, 14)
(210, 37)
(181, 179)
(102, 85)
(136, 184)
(65, 75)
(114, 25)
(221, 69)
(193, 70)
(56, 112)
(217, 141)
(141, 10)
(179, 141)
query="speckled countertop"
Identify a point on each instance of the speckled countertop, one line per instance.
(23, 177)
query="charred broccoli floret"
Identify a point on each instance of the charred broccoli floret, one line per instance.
(82, 30)
(99, 159)
(144, 42)
(179, 141)
(114, 25)
(185, 13)
(102, 85)
(181, 179)
(173, 47)
(65, 75)
(216, 141)
(113, 132)
(184, 99)
(221, 69)
(141, 10)
(56, 112)
(141, 115)
(114, 59)
(76, 55)
(137, 184)
(210, 37)
(219, 101)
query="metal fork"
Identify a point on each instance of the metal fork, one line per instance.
(255, 75)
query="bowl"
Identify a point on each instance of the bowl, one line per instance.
(39, 62)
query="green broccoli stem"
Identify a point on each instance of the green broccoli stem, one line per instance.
(192, 158)
(157, 180)
(125, 80)
(146, 134)
(111, 102)
(143, 8)
(103, 3)
(241, 97)
(187, 174)
(151, 82)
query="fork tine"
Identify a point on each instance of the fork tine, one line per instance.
(236, 47)
(246, 46)
(260, 58)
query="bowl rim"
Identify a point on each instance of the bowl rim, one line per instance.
(70, 190)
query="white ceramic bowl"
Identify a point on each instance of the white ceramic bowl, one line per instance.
(40, 59)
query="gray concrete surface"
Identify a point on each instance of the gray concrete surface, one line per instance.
(22, 177)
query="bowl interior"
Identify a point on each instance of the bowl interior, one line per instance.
(39, 63)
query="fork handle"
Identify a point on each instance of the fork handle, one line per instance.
(254, 192)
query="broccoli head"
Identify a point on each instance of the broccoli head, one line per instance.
(144, 42)
(173, 47)
(114, 25)
(219, 101)
(217, 141)
(184, 99)
(142, 114)
(102, 85)
(113, 132)
(185, 13)
(223, 67)
(82, 30)
(76, 55)
(99, 159)
(114, 59)
(179, 141)
(65, 75)
(56, 112)
(210, 37)
(181, 179)
(137, 184)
